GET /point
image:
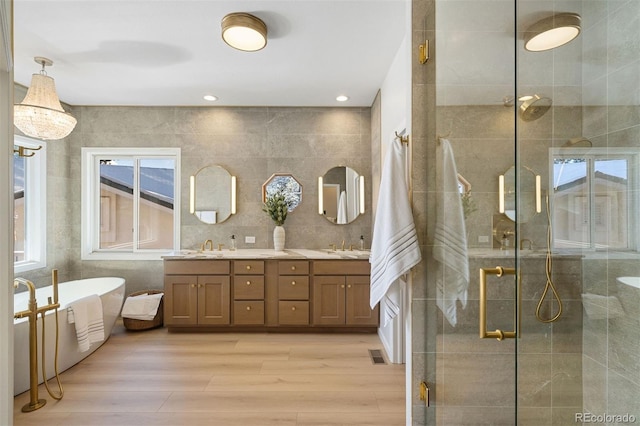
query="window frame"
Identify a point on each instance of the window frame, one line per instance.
(591, 155)
(35, 203)
(90, 204)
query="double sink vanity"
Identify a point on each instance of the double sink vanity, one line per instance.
(265, 290)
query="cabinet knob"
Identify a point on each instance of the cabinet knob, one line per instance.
(342, 286)
(248, 282)
(293, 308)
(248, 267)
(200, 285)
(293, 283)
(248, 308)
(293, 268)
(193, 286)
(349, 286)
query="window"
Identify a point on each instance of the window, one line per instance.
(594, 199)
(130, 207)
(29, 201)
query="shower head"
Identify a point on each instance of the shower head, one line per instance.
(579, 142)
(534, 108)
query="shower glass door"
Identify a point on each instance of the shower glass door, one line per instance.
(547, 153)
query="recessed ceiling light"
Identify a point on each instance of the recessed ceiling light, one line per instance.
(210, 98)
(342, 98)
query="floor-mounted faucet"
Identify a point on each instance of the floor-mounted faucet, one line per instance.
(31, 313)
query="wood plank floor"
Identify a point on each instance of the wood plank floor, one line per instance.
(158, 378)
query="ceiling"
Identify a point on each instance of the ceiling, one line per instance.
(169, 52)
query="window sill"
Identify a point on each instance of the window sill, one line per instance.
(26, 266)
(98, 255)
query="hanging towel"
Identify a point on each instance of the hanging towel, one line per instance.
(86, 313)
(450, 239)
(395, 248)
(142, 307)
(342, 208)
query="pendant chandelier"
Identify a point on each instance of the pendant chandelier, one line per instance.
(40, 114)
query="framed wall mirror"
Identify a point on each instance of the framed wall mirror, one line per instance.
(288, 185)
(212, 194)
(529, 200)
(341, 195)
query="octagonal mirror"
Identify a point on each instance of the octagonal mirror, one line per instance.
(285, 183)
(212, 194)
(341, 195)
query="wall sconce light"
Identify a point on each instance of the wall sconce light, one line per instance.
(40, 114)
(551, 32)
(361, 178)
(243, 31)
(320, 197)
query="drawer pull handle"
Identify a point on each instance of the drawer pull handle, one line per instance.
(293, 283)
(248, 308)
(248, 282)
(293, 268)
(248, 267)
(293, 308)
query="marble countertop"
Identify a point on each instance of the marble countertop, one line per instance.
(289, 254)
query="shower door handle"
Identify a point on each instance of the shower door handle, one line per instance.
(498, 271)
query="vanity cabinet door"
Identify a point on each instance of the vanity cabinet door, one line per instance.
(213, 299)
(329, 300)
(180, 300)
(358, 311)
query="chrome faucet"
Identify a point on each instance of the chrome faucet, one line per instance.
(526, 240)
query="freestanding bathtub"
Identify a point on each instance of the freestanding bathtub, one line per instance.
(111, 292)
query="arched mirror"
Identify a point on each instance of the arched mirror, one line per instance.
(212, 194)
(285, 183)
(529, 200)
(341, 195)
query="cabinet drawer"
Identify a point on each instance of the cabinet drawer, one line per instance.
(293, 287)
(341, 267)
(248, 267)
(248, 287)
(248, 312)
(293, 267)
(293, 313)
(197, 267)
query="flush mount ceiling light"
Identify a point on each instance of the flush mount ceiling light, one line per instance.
(243, 31)
(552, 32)
(40, 114)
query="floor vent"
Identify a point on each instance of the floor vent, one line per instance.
(376, 356)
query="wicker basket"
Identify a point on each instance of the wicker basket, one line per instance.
(157, 321)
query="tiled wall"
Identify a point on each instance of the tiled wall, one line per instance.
(251, 143)
(611, 94)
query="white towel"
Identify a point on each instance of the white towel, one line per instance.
(395, 248)
(342, 208)
(207, 216)
(86, 313)
(450, 239)
(142, 307)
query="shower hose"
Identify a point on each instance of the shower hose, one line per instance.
(55, 362)
(548, 270)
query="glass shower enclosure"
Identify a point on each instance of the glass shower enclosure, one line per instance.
(546, 144)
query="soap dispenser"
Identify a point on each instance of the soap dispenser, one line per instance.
(361, 242)
(232, 245)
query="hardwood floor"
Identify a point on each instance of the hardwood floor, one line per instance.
(158, 378)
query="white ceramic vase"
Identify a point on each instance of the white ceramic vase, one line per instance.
(278, 238)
